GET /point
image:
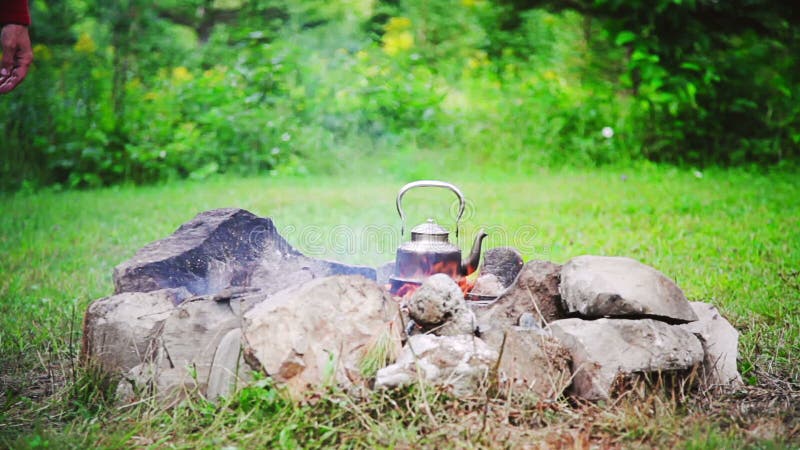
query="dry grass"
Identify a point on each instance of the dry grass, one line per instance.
(658, 413)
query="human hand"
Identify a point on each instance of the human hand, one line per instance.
(17, 56)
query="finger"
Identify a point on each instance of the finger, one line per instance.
(21, 69)
(20, 73)
(17, 75)
(7, 63)
(8, 83)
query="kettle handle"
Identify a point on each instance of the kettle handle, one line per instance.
(429, 183)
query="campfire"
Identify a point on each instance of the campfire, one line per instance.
(428, 266)
(226, 295)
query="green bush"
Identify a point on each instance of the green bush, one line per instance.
(131, 92)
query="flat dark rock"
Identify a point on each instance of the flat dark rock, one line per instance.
(224, 248)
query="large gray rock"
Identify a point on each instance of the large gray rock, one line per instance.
(182, 347)
(186, 343)
(535, 293)
(118, 331)
(438, 306)
(321, 332)
(149, 380)
(219, 249)
(605, 349)
(502, 262)
(532, 365)
(605, 286)
(461, 363)
(720, 343)
(228, 370)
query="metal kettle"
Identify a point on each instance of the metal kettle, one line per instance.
(430, 251)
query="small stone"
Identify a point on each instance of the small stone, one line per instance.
(502, 262)
(535, 293)
(462, 322)
(438, 307)
(528, 320)
(488, 285)
(438, 299)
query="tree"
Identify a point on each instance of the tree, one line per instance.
(717, 81)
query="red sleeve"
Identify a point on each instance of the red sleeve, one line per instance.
(15, 11)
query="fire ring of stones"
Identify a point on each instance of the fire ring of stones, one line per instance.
(226, 295)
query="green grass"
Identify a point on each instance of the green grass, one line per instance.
(729, 238)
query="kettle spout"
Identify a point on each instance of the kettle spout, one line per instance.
(470, 264)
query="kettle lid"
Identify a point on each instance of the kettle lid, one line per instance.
(429, 231)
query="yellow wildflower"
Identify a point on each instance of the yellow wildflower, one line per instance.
(394, 43)
(397, 24)
(42, 52)
(479, 59)
(85, 44)
(181, 74)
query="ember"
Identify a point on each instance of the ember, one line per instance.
(424, 266)
(408, 288)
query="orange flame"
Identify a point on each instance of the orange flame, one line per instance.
(407, 289)
(449, 268)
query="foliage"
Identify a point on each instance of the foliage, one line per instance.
(714, 81)
(134, 92)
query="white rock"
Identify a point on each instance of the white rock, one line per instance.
(461, 363)
(604, 286)
(604, 349)
(319, 332)
(181, 351)
(720, 343)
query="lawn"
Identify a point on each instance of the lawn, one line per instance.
(731, 238)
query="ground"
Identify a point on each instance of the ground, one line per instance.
(729, 238)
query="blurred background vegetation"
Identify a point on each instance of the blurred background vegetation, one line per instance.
(139, 91)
